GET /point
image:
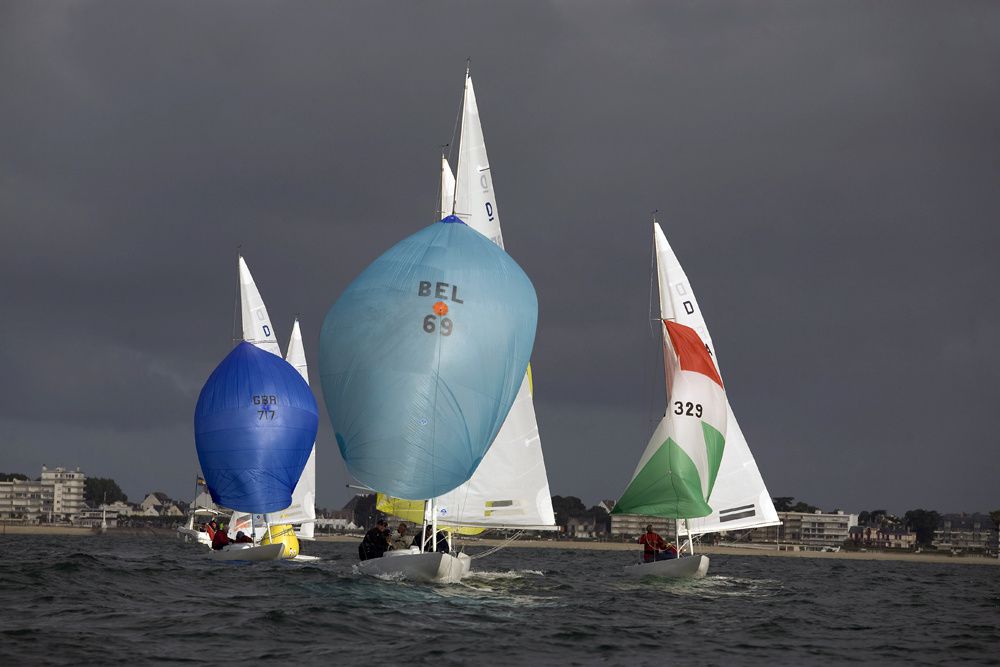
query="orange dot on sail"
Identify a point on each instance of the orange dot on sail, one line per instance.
(441, 308)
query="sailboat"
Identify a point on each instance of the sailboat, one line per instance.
(255, 422)
(202, 510)
(302, 512)
(421, 359)
(697, 463)
(740, 500)
(510, 488)
(262, 452)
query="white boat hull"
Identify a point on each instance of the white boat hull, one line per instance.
(249, 552)
(438, 568)
(687, 567)
(192, 535)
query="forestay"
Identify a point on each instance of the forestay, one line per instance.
(740, 500)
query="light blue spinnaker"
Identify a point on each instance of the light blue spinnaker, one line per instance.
(422, 356)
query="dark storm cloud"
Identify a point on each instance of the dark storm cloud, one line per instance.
(827, 172)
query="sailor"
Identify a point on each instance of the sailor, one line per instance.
(243, 538)
(211, 528)
(442, 540)
(654, 548)
(220, 539)
(401, 541)
(375, 542)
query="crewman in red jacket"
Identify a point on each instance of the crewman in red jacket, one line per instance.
(220, 539)
(654, 548)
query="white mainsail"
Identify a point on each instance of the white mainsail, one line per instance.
(302, 511)
(257, 327)
(510, 487)
(475, 202)
(739, 497)
(447, 188)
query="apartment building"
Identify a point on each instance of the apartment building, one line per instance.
(811, 531)
(965, 532)
(25, 501)
(634, 525)
(56, 496)
(67, 490)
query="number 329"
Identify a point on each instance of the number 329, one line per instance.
(689, 408)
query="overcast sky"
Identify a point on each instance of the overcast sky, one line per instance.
(827, 172)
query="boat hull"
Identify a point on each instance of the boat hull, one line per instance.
(197, 536)
(438, 568)
(249, 552)
(688, 567)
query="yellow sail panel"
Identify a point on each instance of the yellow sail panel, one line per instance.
(413, 511)
(407, 510)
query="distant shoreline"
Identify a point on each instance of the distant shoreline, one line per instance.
(563, 544)
(721, 551)
(80, 531)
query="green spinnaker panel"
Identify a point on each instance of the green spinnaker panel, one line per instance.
(667, 486)
(715, 444)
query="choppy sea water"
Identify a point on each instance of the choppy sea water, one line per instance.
(115, 599)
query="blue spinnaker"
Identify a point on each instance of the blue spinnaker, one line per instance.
(254, 427)
(422, 356)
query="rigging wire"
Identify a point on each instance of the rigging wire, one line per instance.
(498, 547)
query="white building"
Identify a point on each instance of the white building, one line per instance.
(634, 525)
(810, 531)
(962, 532)
(25, 500)
(67, 490)
(58, 495)
(119, 508)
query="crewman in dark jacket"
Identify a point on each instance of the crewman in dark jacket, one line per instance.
(442, 540)
(375, 542)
